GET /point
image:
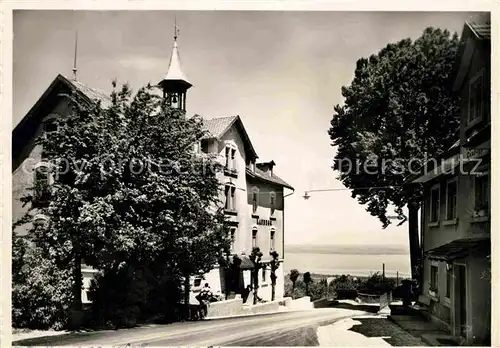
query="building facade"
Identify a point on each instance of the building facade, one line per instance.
(254, 200)
(253, 195)
(456, 211)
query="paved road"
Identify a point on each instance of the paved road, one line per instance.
(281, 329)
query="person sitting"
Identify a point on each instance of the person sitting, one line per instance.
(204, 298)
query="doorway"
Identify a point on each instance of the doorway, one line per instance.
(461, 300)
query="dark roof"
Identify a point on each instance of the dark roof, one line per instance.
(27, 126)
(92, 93)
(217, 127)
(480, 33)
(58, 84)
(261, 175)
(481, 30)
(459, 248)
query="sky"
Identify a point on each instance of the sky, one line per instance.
(282, 72)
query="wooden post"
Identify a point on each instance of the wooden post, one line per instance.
(383, 272)
(397, 278)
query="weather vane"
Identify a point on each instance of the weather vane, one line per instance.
(74, 58)
(176, 28)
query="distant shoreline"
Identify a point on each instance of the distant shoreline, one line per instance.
(366, 275)
(346, 249)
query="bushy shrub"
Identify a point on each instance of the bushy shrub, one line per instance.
(41, 291)
(376, 284)
(131, 295)
(347, 294)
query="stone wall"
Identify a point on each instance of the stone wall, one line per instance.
(225, 308)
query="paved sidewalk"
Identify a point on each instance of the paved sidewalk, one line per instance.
(365, 331)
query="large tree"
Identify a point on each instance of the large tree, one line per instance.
(398, 111)
(129, 189)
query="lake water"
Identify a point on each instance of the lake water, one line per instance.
(358, 265)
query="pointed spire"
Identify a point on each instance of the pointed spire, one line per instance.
(174, 73)
(76, 51)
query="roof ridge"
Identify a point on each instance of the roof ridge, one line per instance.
(78, 82)
(219, 118)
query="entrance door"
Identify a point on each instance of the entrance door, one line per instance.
(461, 308)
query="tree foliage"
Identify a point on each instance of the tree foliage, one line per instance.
(129, 190)
(41, 291)
(294, 275)
(399, 109)
(307, 280)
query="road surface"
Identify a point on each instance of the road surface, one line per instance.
(296, 328)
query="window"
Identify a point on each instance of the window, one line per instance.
(230, 157)
(40, 220)
(451, 199)
(434, 278)
(481, 193)
(255, 199)
(254, 237)
(205, 146)
(230, 192)
(272, 240)
(476, 97)
(42, 183)
(233, 159)
(49, 124)
(228, 151)
(449, 279)
(434, 205)
(264, 274)
(273, 202)
(232, 234)
(197, 282)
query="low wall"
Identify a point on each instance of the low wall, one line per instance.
(300, 303)
(265, 307)
(236, 307)
(225, 308)
(321, 303)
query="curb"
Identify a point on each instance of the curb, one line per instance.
(248, 315)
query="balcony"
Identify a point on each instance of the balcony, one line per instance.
(232, 172)
(231, 212)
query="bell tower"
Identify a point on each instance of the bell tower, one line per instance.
(175, 84)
